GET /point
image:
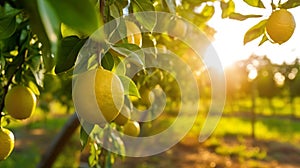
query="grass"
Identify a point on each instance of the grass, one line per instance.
(28, 158)
(241, 151)
(35, 134)
(280, 129)
(268, 128)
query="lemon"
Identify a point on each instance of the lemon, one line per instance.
(147, 96)
(134, 36)
(134, 33)
(178, 28)
(98, 96)
(132, 128)
(51, 83)
(7, 142)
(123, 117)
(20, 102)
(280, 26)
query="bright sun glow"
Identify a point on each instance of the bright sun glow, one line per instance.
(230, 33)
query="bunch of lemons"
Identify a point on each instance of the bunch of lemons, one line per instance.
(106, 87)
(19, 103)
(99, 99)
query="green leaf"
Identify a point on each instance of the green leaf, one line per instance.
(119, 66)
(34, 62)
(255, 3)
(255, 31)
(129, 86)
(67, 53)
(84, 137)
(263, 39)
(115, 30)
(78, 14)
(241, 17)
(146, 19)
(8, 25)
(107, 61)
(227, 8)
(114, 11)
(50, 21)
(290, 4)
(108, 160)
(171, 5)
(128, 50)
(9, 44)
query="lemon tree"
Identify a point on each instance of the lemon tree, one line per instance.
(40, 42)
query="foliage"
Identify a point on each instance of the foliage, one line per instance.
(270, 80)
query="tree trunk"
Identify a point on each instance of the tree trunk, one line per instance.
(59, 142)
(253, 115)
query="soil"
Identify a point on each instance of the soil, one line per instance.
(189, 153)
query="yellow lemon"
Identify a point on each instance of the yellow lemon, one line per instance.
(280, 26)
(178, 28)
(132, 128)
(20, 102)
(147, 96)
(98, 96)
(134, 33)
(7, 143)
(123, 117)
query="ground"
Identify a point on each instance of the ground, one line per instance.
(191, 153)
(231, 150)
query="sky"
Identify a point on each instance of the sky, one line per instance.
(230, 34)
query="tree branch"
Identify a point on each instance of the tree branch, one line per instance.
(59, 142)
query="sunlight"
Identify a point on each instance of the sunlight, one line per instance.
(230, 33)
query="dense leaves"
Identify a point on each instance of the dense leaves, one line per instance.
(141, 6)
(76, 14)
(8, 24)
(67, 53)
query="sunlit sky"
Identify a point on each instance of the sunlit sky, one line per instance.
(230, 34)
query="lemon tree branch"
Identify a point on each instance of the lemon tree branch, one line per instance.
(59, 142)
